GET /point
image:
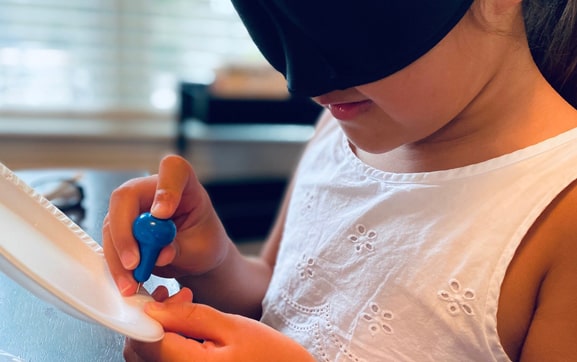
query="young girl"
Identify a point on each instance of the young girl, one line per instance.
(431, 216)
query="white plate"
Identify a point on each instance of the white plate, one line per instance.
(52, 257)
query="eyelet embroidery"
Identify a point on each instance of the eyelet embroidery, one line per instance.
(306, 267)
(363, 239)
(378, 320)
(458, 299)
(321, 328)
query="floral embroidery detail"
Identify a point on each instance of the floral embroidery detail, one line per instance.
(318, 324)
(378, 319)
(306, 267)
(458, 299)
(363, 239)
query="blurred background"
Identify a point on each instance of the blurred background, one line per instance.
(113, 54)
(118, 84)
(95, 92)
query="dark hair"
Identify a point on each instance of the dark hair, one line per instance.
(552, 33)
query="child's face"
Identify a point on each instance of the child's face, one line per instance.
(414, 103)
(321, 45)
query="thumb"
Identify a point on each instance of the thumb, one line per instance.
(193, 320)
(174, 173)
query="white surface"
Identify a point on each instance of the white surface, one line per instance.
(45, 252)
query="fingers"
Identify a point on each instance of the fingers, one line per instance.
(123, 277)
(167, 255)
(196, 321)
(180, 196)
(126, 203)
(120, 248)
(172, 347)
(174, 174)
(184, 295)
(174, 193)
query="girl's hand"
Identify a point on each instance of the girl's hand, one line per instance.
(201, 243)
(196, 332)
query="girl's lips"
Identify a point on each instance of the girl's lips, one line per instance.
(348, 111)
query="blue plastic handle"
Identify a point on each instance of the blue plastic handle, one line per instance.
(152, 235)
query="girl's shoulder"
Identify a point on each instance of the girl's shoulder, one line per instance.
(544, 270)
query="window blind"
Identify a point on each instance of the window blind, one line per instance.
(113, 54)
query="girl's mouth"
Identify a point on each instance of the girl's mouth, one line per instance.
(350, 110)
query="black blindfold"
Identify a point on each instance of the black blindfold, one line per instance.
(325, 45)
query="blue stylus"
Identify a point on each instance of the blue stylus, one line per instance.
(152, 235)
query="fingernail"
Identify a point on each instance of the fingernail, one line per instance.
(163, 203)
(160, 210)
(155, 209)
(124, 284)
(129, 259)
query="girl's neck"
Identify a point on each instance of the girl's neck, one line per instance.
(523, 117)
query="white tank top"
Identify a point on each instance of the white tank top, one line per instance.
(378, 266)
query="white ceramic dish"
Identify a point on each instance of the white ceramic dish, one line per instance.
(52, 257)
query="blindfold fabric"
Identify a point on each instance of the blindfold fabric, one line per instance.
(325, 45)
